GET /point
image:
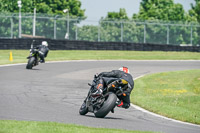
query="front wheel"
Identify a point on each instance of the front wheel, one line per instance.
(108, 105)
(30, 63)
(83, 110)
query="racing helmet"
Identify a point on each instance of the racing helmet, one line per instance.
(125, 69)
(44, 43)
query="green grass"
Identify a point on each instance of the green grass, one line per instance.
(10, 126)
(172, 94)
(19, 56)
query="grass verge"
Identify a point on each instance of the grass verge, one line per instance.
(19, 56)
(172, 94)
(11, 126)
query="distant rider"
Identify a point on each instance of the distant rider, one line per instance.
(123, 77)
(43, 51)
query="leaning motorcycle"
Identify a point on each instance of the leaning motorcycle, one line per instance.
(105, 102)
(33, 58)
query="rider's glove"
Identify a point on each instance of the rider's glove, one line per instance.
(112, 85)
(96, 75)
(97, 92)
(119, 81)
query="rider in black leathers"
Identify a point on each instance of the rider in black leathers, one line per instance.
(122, 73)
(43, 51)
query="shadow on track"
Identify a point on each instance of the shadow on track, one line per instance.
(34, 69)
(92, 116)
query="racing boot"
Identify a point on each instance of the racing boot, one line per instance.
(122, 104)
(42, 61)
(112, 110)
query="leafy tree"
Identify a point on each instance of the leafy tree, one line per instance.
(111, 25)
(43, 6)
(117, 15)
(44, 27)
(160, 10)
(167, 11)
(194, 13)
(88, 33)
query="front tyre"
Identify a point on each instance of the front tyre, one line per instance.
(30, 63)
(108, 105)
(83, 110)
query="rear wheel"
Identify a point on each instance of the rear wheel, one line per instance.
(30, 63)
(108, 105)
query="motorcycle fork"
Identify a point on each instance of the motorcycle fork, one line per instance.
(36, 59)
(97, 104)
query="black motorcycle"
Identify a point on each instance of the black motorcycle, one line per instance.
(102, 103)
(33, 58)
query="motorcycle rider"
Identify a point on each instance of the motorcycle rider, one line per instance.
(123, 77)
(43, 51)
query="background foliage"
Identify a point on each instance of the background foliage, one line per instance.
(158, 21)
(43, 6)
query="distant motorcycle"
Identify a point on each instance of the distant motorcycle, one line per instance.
(33, 58)
(102, 104)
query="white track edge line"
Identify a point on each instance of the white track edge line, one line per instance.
(99, 60)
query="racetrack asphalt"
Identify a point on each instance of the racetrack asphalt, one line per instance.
(54, 91)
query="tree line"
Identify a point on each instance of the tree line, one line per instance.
(117, 26)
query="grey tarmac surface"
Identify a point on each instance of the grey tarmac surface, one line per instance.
(55, 92)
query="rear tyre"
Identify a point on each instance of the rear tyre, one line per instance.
(108, 105)
(83, 110)
(30, 63)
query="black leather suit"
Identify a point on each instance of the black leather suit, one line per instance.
(43, 51)
(117, 74)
